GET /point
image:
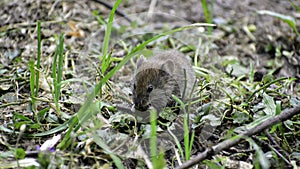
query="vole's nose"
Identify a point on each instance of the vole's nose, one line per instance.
(137, 103)
(140, 106)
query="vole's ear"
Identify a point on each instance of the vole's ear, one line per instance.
(140, 61)
(168, 66)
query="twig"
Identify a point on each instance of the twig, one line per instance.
(286, 114)
(107, 5)
(151, 8)
(27, 24)
(53, 7)
(14, 103)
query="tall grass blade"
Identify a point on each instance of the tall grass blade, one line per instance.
(153, 137)
(208, 13)
(285, 18)
(60, 66)
(105, 59)
(57, 71)
(157, 158)
(186, 138)
(38, 59)
(32, 83)
(115, 158)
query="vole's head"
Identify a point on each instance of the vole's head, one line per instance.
(149, 85)
(143, 85)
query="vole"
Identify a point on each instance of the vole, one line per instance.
(158, 77)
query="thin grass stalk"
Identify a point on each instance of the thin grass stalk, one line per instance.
(186, 137)
(105, 58)
(60, 65)
(208, 13)
(153, 138)
(57, 69)
(38, 64)
(32, 83)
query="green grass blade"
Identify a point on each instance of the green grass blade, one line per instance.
(54, 130)
(285, 18)
(156, 158)
(192, 141)
(38, 59)
(99, 19)
(66, 142)
(153, 137)
(54, 66)
(57, 71)
(269, 103)
(295, 6)
(186, 138)
(177, 142)
(115, 158)
(260, 158)
(31, 82)
(208, 13)
(54, 75)
(264, 87)
(35, 70)
(105, 59)
(60, 65)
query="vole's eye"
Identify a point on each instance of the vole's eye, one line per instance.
(149, 88)
(134, 86)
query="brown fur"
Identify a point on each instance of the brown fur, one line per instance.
(168, 73)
